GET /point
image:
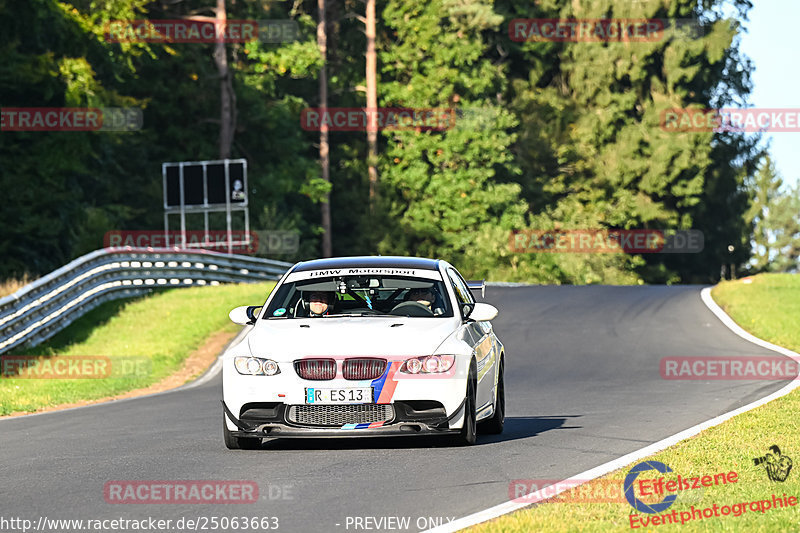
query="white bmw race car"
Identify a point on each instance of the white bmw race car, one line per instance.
(365, 346)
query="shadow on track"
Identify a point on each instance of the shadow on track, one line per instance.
(523, 427)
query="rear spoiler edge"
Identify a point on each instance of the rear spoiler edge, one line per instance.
(475, 285)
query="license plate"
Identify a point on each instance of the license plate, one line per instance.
(339, 396)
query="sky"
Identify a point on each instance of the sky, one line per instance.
(771, 42)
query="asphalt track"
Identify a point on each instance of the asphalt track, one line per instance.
(583, 387)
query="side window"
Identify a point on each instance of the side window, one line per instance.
(463, 295)
(460, 297)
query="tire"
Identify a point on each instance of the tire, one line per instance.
(238, 443)
(469, 434)
(494, 425)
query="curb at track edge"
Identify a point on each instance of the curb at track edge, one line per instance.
(605, 468)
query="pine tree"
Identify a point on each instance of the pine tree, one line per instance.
(441, 193)
(775, 217)
(593, 149)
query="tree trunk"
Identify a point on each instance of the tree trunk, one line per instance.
(372, 107)
(227, 96)
(324, 156)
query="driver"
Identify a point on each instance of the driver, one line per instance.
(320, 303)
(422, 296)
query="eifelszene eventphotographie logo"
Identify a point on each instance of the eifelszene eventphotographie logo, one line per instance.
(778, 466)
(636, 503)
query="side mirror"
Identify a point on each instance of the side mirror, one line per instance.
(244, 315)
(483, 312)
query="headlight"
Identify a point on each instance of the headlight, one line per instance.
(412, 366)
(256, 366)
(270, 367)
(431, 364)
(253, 366)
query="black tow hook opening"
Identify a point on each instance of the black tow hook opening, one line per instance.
(411, 428)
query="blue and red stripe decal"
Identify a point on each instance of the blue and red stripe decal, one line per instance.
(383, 390)
(368, 425)
(385, 385)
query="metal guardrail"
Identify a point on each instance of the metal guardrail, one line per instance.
(39, 310)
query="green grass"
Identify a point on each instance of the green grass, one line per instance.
(769, 307)
(158, 332)
(10, 286)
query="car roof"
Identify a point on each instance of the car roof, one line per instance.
(380, 261)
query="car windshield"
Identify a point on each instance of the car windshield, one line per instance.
(373, 295)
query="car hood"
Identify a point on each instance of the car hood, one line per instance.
(286, 340)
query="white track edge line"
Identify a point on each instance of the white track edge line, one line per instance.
(207, 376)
(593, 473)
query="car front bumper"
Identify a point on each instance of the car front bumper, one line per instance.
(259, 405)
(271, 421)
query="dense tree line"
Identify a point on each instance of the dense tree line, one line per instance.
(548, 134)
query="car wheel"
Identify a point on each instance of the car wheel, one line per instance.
(237, 443)
(468, 434)
(494, 426)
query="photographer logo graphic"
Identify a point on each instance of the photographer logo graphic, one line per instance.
(636, 503)
(778, 466)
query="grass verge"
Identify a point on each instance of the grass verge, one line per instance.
(147, 339)
(10, 286)
(769, 307)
